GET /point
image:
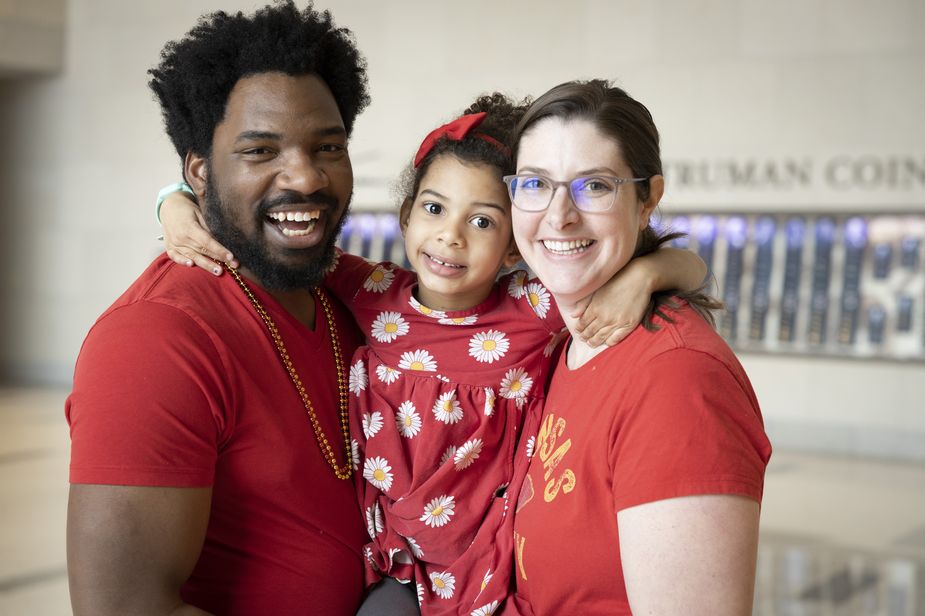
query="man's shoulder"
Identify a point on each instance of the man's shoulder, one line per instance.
(169, 292)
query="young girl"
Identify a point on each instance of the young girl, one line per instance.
(455, 367)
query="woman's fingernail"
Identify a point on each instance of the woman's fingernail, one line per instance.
(229, 257)
(216, 270)
(188, 263)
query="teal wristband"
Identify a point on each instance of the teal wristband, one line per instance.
(167, 191)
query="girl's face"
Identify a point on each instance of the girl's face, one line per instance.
(458, 233)
(573, 252)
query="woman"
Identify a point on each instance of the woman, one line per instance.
(644, 487)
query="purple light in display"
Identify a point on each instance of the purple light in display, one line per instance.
(736, 231)
(367, 225)
(795, 230)
(706, 229)
(764, 229)
(856, 232)
(825, 229)
(388, 226)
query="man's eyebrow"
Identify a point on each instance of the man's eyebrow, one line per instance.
(257, 135)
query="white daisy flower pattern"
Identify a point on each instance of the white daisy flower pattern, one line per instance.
(467, 454)
(420, 590)
(554, 340)
(414, 547)
(469, 320)
(486, 610)
(438, 511)
(538, 297)
(419, 360)
(354, 453)
(447, 408)
(488, 347)
(486, 579)
(515, 287)
(358, 379)
(379, 280)
(531, 444)
(372, 423)
(515, 384)
(377, 471)
(397, 555)
(388, 326)
(374, 522)
(448, 455)
(408, 419)
(427, 312)
(387, 374)
(489, 402)
(443, 583)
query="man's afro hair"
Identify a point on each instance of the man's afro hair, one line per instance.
(197, 73)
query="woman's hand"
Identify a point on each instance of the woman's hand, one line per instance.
(185, 236)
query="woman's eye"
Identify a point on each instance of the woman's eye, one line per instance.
(596, 185)
(482, 222)
(533, 182)
(433, 208)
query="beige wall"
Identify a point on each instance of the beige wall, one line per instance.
(85, 153)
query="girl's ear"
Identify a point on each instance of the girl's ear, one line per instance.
(404, 212)
(196, 174)
(512, 257)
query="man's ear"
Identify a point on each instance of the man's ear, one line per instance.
(196, 174)
(656, 190)
(404, 212)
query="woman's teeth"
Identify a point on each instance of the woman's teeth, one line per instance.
(566, 248)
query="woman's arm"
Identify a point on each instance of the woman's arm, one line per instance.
(186, 238)
(618, 307)
(693, 555)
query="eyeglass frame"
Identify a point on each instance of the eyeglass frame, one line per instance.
(508, 179)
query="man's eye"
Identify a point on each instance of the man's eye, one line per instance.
(433, 208)
(256, 151)
(482, 222)
(332, 147)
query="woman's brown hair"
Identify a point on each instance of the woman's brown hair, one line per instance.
(629, 123)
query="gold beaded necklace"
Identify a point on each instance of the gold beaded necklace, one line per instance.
(342, 472)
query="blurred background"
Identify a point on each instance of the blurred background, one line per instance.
(793, 134)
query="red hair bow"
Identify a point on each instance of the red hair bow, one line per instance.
(455, 131)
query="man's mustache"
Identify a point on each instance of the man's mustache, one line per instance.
(294, 198)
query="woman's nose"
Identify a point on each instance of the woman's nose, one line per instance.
(561, 212)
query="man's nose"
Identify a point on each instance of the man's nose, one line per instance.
(302, 173)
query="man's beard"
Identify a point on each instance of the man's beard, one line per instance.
(254, 254)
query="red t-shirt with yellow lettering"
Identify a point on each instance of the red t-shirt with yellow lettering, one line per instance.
(661, 415)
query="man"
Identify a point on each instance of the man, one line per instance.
(210, 463)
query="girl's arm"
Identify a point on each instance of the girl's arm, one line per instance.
(186, 238)
(618, 307)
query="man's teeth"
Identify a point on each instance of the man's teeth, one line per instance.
(295, 216)
(570, 247)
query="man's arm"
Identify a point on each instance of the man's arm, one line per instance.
(129, 549)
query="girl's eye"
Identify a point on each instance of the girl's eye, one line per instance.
(482, 222)
(433, 208)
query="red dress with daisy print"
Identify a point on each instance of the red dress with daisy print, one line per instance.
(438, 403)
